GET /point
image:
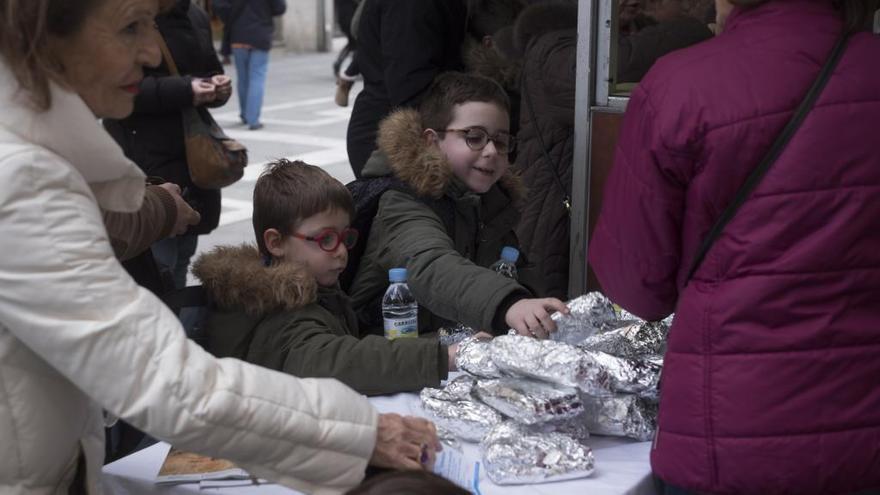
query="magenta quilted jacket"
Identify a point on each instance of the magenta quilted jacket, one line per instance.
(772, 376)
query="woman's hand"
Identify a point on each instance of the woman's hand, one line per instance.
(203, 91)
(405, 443)
(531, 317)
(222, 88)
(186, 216)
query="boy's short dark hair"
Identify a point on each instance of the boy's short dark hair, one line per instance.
(289, 192)
(456, 88)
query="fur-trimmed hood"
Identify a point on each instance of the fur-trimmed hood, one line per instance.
(421, 165)
(235, 277)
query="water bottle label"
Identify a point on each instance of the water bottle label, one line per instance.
(402, 327)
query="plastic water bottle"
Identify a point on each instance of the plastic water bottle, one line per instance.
(399, 308)
(507, 264)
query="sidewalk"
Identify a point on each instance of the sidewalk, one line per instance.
(301, 123)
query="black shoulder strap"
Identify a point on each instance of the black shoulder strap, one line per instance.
(554, 169)
(781, 141)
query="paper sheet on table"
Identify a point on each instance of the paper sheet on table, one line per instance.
(453, 465)
(207, 484)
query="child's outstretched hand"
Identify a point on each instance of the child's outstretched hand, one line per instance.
(531, 317)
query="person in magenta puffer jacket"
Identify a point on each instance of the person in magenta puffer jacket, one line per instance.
(772, 374)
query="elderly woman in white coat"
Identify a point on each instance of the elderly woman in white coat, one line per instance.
(78, 336)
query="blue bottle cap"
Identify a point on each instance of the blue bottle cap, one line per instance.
(510, 253)
(397, 275)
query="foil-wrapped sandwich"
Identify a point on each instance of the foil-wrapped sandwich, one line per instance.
(575, 427)
(455, 410)
(513, 454)
(635, 376)
(550, 361)
(631, 341)
(460, 387)
(588, 315)
(529, 402)
(474, 356)
(622, 415)
(454, 334)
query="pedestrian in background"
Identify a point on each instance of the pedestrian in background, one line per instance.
(402, 46)
(250, 28)
(153, 137)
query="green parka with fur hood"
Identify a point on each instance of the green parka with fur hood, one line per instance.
(279, 318)
(448, 271)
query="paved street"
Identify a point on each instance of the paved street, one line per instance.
(301, 122)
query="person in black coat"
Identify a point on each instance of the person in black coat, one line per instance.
(152, 136)
(402, 46)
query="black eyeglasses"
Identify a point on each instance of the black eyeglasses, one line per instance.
(329, 239)
(477, 138)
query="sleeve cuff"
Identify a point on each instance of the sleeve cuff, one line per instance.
(499, 323)
(168, 207)
(442, 362)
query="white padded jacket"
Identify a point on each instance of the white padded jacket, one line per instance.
(77, 335)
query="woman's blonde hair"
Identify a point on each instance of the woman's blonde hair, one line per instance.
(856, 13)
(25, 28)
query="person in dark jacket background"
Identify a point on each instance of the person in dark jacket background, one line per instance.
(402, 46)
(545, 36)
(663, 27)
(152, 136)
(250, 27)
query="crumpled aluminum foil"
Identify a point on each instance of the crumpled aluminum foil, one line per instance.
(588, 314)
(631, 341)
(575, 427)
(454, 334)
(625, 316)
(474, 357)
(635, 376)
(550, 361)
(461, 387)
(448, 438)
(622, 415)
(529, 402)
(513, 455)
(455, 410)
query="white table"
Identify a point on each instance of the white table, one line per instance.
(622, 467)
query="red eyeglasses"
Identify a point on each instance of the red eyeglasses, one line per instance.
(329, 239)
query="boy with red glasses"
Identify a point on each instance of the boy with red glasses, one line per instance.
(455, 212)
(279, 304)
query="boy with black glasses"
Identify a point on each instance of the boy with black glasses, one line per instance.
(279, 304)
(455, 211)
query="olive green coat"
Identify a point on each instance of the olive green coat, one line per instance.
(448, 274)
(279, 318)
